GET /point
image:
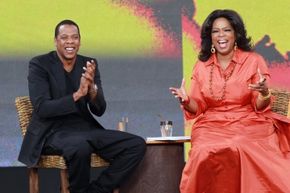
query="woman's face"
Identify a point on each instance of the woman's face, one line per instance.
(223, 36)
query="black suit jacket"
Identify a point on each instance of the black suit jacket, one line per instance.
(46, 82)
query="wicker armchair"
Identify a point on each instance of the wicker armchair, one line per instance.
(281, 102)
(24, 110)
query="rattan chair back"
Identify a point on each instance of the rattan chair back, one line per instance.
(24, 109)
(280, 104)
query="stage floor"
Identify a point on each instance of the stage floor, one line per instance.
(15, 179)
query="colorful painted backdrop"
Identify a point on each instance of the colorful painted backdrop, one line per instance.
(142, 46)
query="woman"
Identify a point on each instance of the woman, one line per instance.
(235, 146)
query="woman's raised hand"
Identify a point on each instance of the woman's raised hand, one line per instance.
(261, 85)
(180, 92)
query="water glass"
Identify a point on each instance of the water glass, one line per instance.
(166, 128)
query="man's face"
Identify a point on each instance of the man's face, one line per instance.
(67, 42)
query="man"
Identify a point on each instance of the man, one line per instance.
(65, 90)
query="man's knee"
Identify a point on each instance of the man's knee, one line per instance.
(139, 145)
(80, 151)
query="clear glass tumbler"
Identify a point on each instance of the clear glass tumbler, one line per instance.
(166, 128)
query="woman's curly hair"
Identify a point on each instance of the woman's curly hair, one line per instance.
(243, 42)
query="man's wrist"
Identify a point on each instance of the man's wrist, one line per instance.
(93, 89)
(76, 96)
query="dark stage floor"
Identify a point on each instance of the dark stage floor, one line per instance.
(15, 179)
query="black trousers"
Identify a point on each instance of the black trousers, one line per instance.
(122, 150)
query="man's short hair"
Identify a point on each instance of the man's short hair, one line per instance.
(65, 22)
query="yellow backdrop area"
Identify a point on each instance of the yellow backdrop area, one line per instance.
(261, 17)
(27, 28)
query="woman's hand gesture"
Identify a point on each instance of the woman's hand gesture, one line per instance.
(261, 85)
(180, 93)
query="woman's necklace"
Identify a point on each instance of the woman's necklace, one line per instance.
(226, 78)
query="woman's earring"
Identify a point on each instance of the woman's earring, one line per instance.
(236, 46)
(212, 49)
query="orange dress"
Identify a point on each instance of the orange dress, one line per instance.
(235, 147)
